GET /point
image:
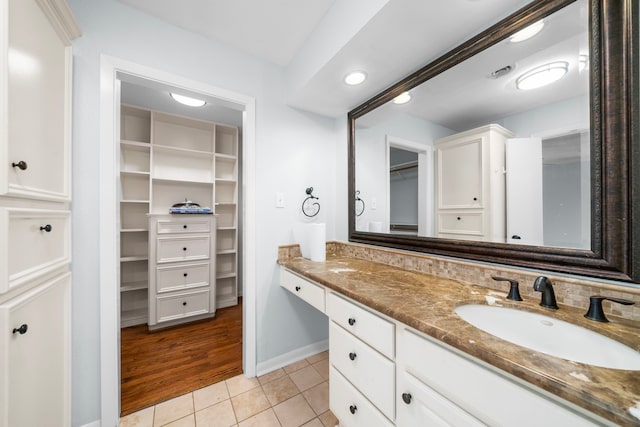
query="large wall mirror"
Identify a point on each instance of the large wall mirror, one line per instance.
(517, 147)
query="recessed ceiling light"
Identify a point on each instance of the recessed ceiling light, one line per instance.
(403, 98)
(527, 32)
(187, 100)
(355, 78)
(543, 75)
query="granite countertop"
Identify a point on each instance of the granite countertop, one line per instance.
(427, 303)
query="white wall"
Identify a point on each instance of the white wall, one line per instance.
(293, 150)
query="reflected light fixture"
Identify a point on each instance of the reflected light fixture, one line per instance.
(355, 78)
(543, 75)
(187, 100)
(527, 32)
(583, 62)
(403, 98)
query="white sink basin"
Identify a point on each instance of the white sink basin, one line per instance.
(551, 336)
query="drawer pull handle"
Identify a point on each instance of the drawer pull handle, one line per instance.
(475, 199)
(352, 321)
(184, 249)
(298, 288)
(22, 165)
(47, 228)
(184, 226)
(459, 218)
(184, 303)
(22, 329)
(352, 356)
(353, 409)
(185, 274)
(406, 398)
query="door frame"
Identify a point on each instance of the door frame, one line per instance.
(110, 67)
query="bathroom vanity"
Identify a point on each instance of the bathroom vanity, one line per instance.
(400, 355)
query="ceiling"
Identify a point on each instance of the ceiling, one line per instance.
(318, 42)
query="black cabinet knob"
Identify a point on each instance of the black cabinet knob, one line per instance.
(516, 237)
(459, 218)
(406, 398)
(184, 274)
(184, 226)
(22, 165)
(353, 409)
(184, 303)
(352, 356)
(22, 329)
(298, 288)
(184, 249)
(475, 199)
(46, 228)
(352, 321)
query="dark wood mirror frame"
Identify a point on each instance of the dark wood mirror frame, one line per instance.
(615, 154)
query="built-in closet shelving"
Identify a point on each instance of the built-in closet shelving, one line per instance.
(165, 159)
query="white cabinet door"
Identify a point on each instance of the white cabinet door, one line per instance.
(34, 356)
(36, 135)
(460, 171)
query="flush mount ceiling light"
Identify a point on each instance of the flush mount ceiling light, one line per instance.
(187, 100)
(403, 98)
(527, 32)
(543, 75)
(355, 78)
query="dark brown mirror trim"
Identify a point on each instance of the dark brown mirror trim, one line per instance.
(614, 107)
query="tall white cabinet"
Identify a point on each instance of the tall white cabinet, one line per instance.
(167, 159)
(35, 248)
(470, 184)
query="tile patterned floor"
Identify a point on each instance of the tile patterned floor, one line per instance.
(296, 395)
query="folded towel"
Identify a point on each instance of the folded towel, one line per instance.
(190, 210)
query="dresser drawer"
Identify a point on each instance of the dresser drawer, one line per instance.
(35, 242)
(350, 407)
(461, 223)
(370, 328)
(184, 304)
(183, 225)
(172, 249)
(370, 372)
(173, 278)
(306, 290)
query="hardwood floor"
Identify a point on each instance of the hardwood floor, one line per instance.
(160, 365)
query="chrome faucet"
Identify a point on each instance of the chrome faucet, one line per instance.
(548, 300)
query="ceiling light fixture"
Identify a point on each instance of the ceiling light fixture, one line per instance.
(583, 62)
(187, 100)
(527, 32)
(355, 78)
(543, 75)
(403, 98)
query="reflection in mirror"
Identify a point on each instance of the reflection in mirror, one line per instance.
(487, 150)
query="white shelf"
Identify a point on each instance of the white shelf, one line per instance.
(133, 230)
(226, 157)
(134, 201)
(226, 180)
(134, 286)
(226, 228)
(181, 181)
(135, 145)
(178, 150)
(134, 173)
(226, 251)
(225, 275)
(133, 258)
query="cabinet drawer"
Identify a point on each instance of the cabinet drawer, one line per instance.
(370, 372)
(307, 291)
(461, 223)
(484, 393)
(183, 226)
(185, 304)
(172, 278)
(350, 407)
(171, 249)
(32, 251)
(370, 328)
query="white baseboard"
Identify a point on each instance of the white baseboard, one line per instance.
(290, 357)
(95, 423)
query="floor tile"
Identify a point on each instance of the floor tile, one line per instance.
(273, 375)
(279, 390)
(306, 378)
(240, 384)
(294, 412)
(218, 415)
(143, 418)
(318, 357)
(318, 397)
(173, 409)
(249, 403)
(210, 395)
(328, 419)
(323, 368)
(296, 366)
(313, 423)
(188, 421)
(263, 419)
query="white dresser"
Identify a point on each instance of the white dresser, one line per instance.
(182, 268)
(35, 226)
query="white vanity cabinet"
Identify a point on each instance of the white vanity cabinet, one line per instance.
(35, 217)
(182, 265)
(470, 184)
